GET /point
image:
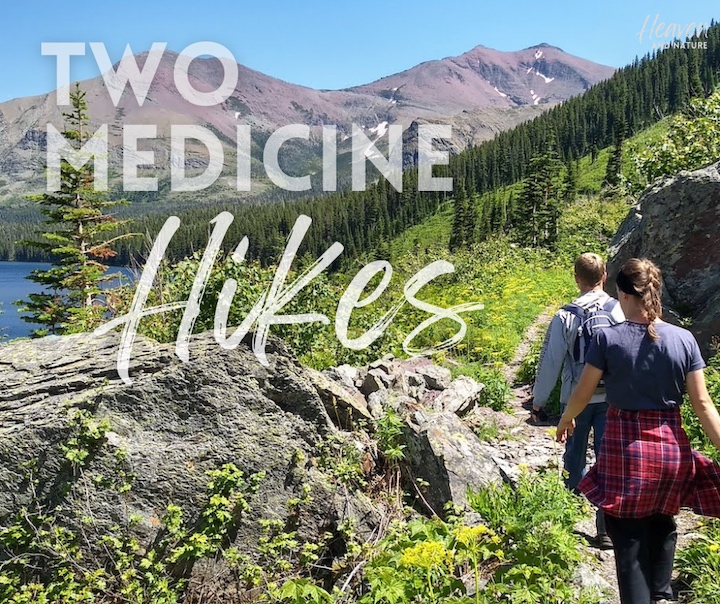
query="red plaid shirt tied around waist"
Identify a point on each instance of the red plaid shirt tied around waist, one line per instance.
(646, 466)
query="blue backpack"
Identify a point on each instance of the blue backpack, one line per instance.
(592, 319)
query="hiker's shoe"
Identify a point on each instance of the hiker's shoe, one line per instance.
(538, 417)
(602, 542)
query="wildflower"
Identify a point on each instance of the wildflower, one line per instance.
(427, 554)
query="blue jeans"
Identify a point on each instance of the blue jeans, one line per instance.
(575, 459)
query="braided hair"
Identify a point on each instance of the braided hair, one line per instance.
(646, 280)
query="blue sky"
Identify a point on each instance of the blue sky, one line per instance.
(326, 44)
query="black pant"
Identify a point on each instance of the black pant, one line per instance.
(644, 553)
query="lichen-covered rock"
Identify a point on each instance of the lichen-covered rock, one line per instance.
(176, 422)
(675, 224)
(436, 377)
(449, 457)
(347, 375)
(372, 382)
(460, 397)
(344, 404)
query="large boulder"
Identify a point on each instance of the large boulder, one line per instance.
(174, 423)
(675, 224)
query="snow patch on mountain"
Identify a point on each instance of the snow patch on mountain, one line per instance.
(544, 77)
(380, 129)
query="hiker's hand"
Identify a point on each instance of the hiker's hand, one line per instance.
(565, 428)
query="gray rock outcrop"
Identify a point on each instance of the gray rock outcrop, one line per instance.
(178, 421)
(447, 455)
(675, 224)
(174, 423)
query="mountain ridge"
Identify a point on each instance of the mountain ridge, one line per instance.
(460, 90)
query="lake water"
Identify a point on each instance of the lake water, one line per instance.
(14, 285)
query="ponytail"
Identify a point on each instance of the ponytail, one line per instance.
(646, 283)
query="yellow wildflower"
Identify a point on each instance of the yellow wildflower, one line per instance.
(427, 554)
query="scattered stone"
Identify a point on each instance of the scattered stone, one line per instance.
(587, 577)
(460, 397)
(344, 404)
(371, 383)
(377, 402)
(413, 385)
(429, 398)
(347, 375)
(436, 377)
(384, 365)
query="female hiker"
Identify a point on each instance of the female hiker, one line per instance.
(645, 469)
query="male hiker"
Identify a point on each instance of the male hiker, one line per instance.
(563, 351)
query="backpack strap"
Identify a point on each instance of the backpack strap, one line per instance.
(610, 305)
(577, 311)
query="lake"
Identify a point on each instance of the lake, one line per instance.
(15, 286)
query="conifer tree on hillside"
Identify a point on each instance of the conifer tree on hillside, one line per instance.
(537, 210)
(471, 220)
(79, 237)
(614, 168)
(570, 184)
(457, 235)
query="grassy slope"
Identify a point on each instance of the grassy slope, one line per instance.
(516, 284)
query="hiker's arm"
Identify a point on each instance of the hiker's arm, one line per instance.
(579, 399)
(551, 361)
(703, 406)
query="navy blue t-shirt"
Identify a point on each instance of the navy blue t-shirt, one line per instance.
(641, 373)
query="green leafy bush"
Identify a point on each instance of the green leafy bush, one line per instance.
(537, 519)
(698, 438)
(693, 140)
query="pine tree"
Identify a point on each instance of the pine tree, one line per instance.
(614, 167)
(77, 234)
(537, 211)
(457, 236)
(471, 219)
(570, 185)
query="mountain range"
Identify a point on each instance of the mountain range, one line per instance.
(479, 93)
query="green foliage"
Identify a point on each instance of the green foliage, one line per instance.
(698, 438)
(589, 225)
(613, 174)
(699, 565)
(488, 431)
(423, 560)
(89, 437)
(509, 560)
(537, 520)
(536, 215)
(496, 392)
(390, 436)
(299, 591)
(693, 140)
(45, 549)
(342, 459)
(464, 220)
(79, 239)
